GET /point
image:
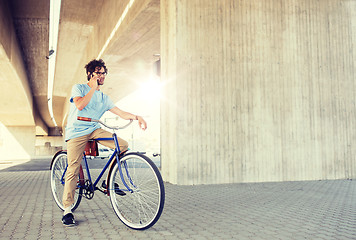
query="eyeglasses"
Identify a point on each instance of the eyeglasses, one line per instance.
(100, 73)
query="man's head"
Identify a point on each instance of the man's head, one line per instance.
(96, 68)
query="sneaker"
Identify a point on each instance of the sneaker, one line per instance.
(68, 219)
(117, 189)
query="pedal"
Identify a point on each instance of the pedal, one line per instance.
(117, 189)
(103, 185)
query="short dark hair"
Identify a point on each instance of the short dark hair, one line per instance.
(95, 65)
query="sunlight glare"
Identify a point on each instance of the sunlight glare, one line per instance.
(151, 90)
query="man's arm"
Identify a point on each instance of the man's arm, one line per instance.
(128, 116)
(82, 102)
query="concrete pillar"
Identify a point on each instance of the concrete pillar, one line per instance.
(257, 90)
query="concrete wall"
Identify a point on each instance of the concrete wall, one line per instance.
(260, 90)
(16, 143)
(48, 145)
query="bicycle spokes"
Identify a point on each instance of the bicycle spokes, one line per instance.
(143, 205)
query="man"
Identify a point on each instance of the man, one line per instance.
(88, 101)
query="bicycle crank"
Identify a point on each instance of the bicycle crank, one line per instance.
(88, 191)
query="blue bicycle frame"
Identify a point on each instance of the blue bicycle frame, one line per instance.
(117, 154)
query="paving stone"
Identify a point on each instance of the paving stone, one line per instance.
(284, 210)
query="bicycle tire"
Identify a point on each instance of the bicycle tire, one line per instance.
(141, 208)
(58, 166)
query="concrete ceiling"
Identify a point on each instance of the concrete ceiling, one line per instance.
(85, 27)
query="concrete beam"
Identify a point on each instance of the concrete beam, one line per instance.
(130, 53)
(83, 33)
(16, 108)
(31, 18)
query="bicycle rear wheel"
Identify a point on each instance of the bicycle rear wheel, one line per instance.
(58, 168)
(142, 207)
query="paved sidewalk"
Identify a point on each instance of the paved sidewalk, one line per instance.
(288, 210)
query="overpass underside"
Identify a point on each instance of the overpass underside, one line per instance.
(252, 90)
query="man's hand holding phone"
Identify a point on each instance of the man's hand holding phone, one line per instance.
(93, 82)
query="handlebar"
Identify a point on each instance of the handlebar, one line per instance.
(98, 121)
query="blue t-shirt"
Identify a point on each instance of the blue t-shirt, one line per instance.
(98, 105)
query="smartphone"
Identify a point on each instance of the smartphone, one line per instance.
(97, 80)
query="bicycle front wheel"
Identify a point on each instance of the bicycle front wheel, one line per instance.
(58, 169)
(141, 180)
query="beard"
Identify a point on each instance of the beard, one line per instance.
(100, 82)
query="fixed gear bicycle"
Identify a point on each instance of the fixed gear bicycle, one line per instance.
(135, 185)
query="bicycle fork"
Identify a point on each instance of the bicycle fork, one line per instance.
(118, 161)
(128, 176)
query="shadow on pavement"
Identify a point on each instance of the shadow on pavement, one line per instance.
(32, 165)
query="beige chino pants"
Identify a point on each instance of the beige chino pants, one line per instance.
(75, 149)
